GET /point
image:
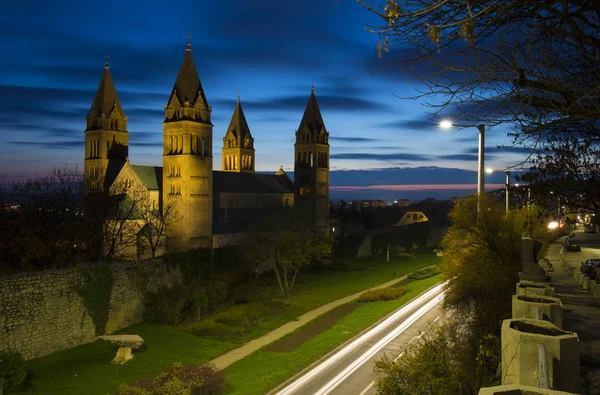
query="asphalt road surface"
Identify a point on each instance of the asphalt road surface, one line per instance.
(349, 370)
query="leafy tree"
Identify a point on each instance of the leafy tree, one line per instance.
(287, 250)
(429, 367)
(482, 259)
(12, 370)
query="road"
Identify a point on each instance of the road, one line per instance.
(590, 248)
(349, 370)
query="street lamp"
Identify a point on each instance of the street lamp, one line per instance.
(481, 127)
(490, 171)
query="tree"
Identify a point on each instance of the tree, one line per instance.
(532, 65)
(152, 224)
(482, 259)
(41, 221)
(431, 366)
(287, 250)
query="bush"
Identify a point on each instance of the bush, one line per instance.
(167, 305)
(216, 330)
(425, 273)
(178, 380)
(12, 369)
(376, 295)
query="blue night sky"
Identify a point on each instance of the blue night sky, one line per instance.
(271, 51)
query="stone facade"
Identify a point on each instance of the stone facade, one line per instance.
(42, 313)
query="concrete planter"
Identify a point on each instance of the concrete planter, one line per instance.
(594, 289)
(586, 282)
(525, 306)
(521, 340)
(534, 288)
(519, 390)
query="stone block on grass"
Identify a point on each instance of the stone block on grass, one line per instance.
(125, 343)
(522, 340)
(527, 306)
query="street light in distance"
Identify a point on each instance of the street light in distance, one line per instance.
(446, 124)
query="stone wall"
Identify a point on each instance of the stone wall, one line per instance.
(42, 312)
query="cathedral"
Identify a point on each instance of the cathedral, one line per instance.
(215, 207)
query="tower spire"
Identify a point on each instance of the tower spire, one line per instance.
(106, 56)
(188, 45)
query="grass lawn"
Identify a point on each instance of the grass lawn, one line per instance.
(250, 320)
(87, 369)
(262, 371)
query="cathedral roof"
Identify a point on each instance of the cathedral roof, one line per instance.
(151, 176)
(187, 85)
(238, 125)
(312, 116)
(232, 182)
(106, 97)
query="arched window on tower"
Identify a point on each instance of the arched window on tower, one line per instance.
(311, 159)
(203, 146)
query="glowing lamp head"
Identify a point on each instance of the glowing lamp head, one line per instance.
(489, 170)
(445, 124)
(553, 225)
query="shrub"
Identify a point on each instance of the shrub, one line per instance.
(12, 370)
(216, 330)
(178, 380)
(376, 295)
(425, 273)
(217, 294)
(167, 305)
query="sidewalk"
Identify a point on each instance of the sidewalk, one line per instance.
(241, 352)
(581, 314)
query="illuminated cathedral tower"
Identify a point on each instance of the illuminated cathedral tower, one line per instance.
(106, 136)
(238, 144)
(188, 161)
(311, 166)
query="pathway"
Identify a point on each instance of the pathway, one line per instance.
(241, 352)
(581, 314)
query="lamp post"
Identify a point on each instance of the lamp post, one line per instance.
(481, 153)
(507, 185)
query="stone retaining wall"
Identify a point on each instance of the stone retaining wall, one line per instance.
(42, 312)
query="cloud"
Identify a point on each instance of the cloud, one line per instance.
(51, 144)
(298, 103)
(464, 157)
(354, 139)
(387, 157)
(421, 175)
(413, 124)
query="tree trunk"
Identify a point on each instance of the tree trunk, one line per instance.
(278, 279)
(387, 256)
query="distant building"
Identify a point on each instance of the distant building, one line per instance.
(412, 217)
(367, 204)
(402, 202)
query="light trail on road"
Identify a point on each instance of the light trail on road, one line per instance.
(432, 296)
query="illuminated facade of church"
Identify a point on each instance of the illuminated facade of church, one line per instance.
(214, 206)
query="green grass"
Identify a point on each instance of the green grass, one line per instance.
(311, 291)
(87, 369)
(262, 371)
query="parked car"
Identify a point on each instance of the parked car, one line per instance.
(589, 228)
(589, 267)
(572, 244)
